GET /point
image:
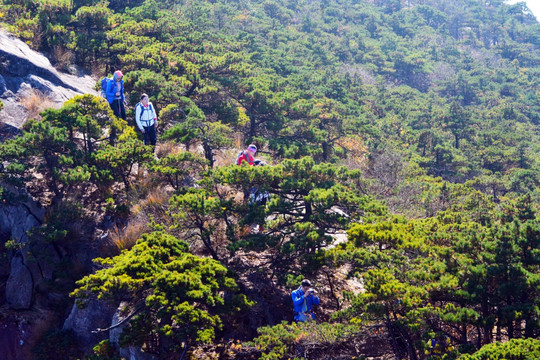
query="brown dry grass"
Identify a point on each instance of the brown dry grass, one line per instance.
(226, 157)
(156, 202)
(62, 58)
(124, 239)
(35, 102)
(167, 148)
(143, 183)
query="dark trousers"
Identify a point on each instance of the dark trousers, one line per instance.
(150, 135)
(119, 109)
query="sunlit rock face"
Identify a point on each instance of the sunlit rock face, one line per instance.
(24, 72)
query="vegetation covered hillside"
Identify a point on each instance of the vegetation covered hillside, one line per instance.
(410, 126)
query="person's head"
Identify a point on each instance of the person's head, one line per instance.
(144, 99)
(117, 76)
(306, 285)
(251, 149)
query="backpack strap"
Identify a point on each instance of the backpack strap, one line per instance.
(240, 154)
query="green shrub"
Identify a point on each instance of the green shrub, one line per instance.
(176, 295)
(104, 351)
(515, 349)
(280, 341)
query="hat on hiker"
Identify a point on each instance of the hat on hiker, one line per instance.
(118, 74)
(252, 148)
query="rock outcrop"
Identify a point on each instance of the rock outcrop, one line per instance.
(23, 69)
(20, 285)
(130, 352)
(85, 321)
(16, 327)
(28, 270)
(15, 222)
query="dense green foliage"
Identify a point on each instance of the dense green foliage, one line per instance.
(411, 126)
(444, 84)
(516, 349)
(446, 275)
(303, 195)
(173, 293)
(72, 148)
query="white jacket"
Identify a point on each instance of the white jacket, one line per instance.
(145, 116)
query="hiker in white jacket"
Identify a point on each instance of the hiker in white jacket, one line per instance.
(146, 118)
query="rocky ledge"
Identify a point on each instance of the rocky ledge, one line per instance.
(23, 70)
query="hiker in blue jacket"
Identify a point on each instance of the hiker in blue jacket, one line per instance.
(146, 118)
(303, 300)
(115, 95)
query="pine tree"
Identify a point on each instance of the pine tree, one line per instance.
(174, 296)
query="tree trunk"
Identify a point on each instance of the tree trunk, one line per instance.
(88, 139)
(127, 185)
(464, 334)
(207, 241)
(208, 154)
(325, 151)
(252, 123)
(510, 329)
(309, 211)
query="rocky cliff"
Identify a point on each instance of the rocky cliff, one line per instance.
(23, 70)
(27, 306)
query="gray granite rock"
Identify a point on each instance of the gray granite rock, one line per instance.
(83, 322)
(20, 285)
(131, 352)
(114, 334)
(25, 269)
(24, 69)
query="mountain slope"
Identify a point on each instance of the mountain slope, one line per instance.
(408, 127)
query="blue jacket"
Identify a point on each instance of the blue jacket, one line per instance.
(298, 298)
(111, 90)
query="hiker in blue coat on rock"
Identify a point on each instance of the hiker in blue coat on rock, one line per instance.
(303, 300)
(115, 95)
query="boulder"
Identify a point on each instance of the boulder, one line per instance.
(23, 70)
(118, 316)
(20, 285)
(17, 220)
(26, 270)
(83, 321)
(131, 352)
